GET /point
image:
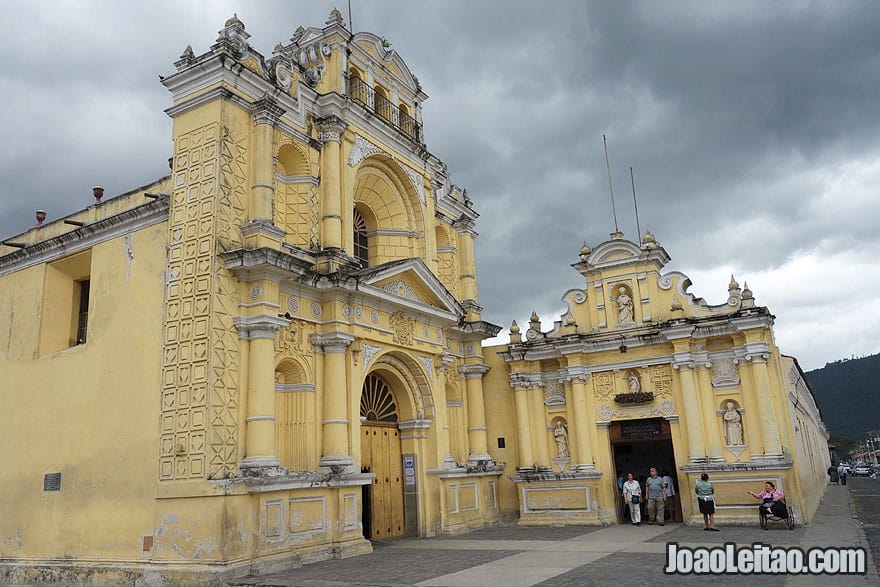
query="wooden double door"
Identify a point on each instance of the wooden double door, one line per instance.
(383, 500)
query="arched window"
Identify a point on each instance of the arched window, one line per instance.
(377, 401)
(361, 243)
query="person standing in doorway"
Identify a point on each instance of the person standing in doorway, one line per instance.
(632, 494)
(706, 498)
(656, 490)
(670, 495)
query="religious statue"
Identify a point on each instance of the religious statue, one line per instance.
(625, 307)
(733, 426)
(560, 433)
(634, 385)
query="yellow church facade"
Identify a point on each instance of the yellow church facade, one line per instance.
(273, 355)
(639, 373)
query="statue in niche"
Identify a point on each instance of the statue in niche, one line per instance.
(733, 426)
(634, 385)
(625, 307)
(560, 433)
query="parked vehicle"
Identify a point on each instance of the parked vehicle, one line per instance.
(862, 470)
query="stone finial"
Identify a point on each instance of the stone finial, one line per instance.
(233, 37)
(534, 317)
(40, 215)
(748, 298)
(297, 34)
(186, 58)
(733, 286)
(335, 18)
(234, 22)
(515, 335)
(585, 251)
(648, 240)
(98, 192)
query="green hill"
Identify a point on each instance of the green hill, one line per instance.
(848, 393)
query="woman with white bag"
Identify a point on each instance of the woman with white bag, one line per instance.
(632, 494)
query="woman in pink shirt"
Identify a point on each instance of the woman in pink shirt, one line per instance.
(773, 501)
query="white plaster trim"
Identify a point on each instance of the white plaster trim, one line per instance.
(294, 387)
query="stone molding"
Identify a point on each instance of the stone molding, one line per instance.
(259, 327)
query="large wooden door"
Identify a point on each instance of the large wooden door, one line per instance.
(380, 454)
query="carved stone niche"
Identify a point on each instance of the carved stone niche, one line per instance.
(724, 373)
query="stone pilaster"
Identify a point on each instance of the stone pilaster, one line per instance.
(693, 418)
(582, 448)
(478, 447)
(540, 434)
(765, 407)
(523, 426)
(260, 229)
(260, 454)
(330, 133)
(467, 267)
(710, 419)
(335, 423)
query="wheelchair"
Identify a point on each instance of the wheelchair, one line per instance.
(788, 519)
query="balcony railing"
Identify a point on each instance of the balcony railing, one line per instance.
(380, 106)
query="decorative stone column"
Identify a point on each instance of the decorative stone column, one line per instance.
(260, 229)
(441, 411)
(520, 386)
(478, 447)
(330, 133)
(467, 269)
(540, 435)
(710, 419)
(765, 406)
(693, 417)
(335, 425)
(583, 450)
(260, 332)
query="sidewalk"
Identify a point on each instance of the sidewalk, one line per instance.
(575, 556)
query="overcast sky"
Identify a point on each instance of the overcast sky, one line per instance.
(753, 129)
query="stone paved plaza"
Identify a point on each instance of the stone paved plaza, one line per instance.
(562, 556)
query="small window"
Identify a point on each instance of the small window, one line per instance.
(361, 242)
(83, 315)
(64, 315)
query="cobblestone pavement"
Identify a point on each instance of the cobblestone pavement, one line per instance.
(569, 556)
(866, 499)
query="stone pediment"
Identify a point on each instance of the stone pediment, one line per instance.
(410, 282)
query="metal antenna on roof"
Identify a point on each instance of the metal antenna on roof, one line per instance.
(610, 188)
(635, 204)
(350, 23)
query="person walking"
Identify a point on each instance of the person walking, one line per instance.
(841, 472)
(632, 494)
(670, 495)
(706, 498)
(656, 490)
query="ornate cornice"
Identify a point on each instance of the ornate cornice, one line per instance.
(259, 327)
(332, 342)
(266, 110)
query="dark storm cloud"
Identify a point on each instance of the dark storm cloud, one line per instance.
(752, 128)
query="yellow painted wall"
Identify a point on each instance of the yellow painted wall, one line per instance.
(88, 411)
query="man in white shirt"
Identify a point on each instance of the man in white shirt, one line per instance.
(670, 495)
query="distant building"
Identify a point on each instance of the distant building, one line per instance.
(640, 373)
(273, 355)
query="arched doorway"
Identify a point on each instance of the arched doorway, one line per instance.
(383, 515)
